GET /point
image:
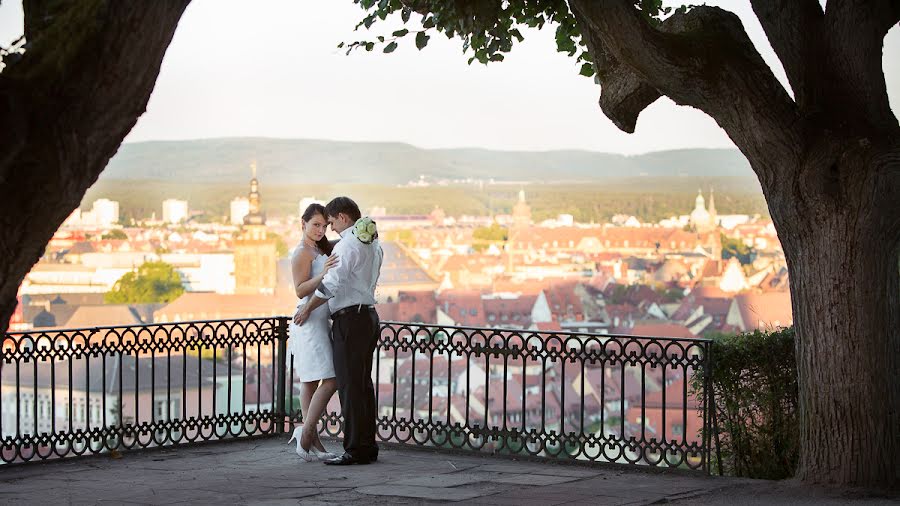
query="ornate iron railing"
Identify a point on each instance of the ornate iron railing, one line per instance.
(621, 399)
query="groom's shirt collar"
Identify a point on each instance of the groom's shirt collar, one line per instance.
(346, 233)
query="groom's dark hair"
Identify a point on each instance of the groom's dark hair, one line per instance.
(343, 205)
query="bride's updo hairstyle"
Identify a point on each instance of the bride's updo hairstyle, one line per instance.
(324, 244)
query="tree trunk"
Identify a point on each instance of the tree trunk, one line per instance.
(65, 107)
(841, 241)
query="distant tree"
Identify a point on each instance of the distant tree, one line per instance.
(152, 282)
(70, 90)
(827, 156)
(494, 233)
(734, 247)
(115, 234)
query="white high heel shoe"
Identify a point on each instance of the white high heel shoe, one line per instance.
(313, 452)
(303, 454)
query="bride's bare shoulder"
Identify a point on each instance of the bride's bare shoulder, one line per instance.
(305, 253)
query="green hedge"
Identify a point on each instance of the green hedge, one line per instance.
(755, 383)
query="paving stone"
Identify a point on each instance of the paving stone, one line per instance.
(536, 468)
(437, 493)
(446, 480)
(530, 479)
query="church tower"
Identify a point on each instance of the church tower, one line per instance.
(521, 212)
(713, 215)
(255, 254)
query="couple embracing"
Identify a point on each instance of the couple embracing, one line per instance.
(336, 282)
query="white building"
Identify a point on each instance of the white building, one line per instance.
(174, 210)
(240, 207)
(106, 212)
(204, 272)
(74, 219)
(69, 278)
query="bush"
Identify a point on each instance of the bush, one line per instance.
(754, 380)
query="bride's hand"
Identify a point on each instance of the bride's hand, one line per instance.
(331, 262)
(301, 315)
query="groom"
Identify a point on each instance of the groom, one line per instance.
(349, 290)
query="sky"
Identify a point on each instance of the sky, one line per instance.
(271, 68)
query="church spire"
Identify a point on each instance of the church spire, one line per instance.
(255, 216)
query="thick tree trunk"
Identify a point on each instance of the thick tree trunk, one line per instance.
(841, 241)
(65, 107)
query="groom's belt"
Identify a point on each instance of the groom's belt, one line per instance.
(355, 308)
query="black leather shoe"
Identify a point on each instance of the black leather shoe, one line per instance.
(346, 460)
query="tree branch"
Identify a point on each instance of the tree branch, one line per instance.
(704, 59)
(854, 33)
(794, 27)
(624, 94)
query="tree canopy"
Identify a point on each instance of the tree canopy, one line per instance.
(152, 282)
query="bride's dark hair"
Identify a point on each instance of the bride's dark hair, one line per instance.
(324, 244)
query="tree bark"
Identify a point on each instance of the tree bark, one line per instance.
(67, 104)
(842, 243)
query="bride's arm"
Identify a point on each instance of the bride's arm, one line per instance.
(301, 266)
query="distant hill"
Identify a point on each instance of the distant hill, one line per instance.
(304, 161)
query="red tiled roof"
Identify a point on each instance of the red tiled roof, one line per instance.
(199, 306)
(765, 310)
(465, 307)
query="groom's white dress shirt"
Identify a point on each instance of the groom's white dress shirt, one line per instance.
(352, 281)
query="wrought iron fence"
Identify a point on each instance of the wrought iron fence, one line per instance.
(92, 390)
(592, 397)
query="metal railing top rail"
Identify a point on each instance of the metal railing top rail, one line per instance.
(546, 332)
(493, 329)
(52, 330)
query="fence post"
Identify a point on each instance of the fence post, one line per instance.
(281, 335)
(707, 405)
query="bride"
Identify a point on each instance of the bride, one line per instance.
(309, 346)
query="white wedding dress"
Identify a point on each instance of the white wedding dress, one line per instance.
(309, 345)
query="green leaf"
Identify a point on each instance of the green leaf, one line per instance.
(405, 13)
(421, 40)
(587, 70)
(400, 33)
(390, 47)
(428, 23)
(496, 57)
(370, 46)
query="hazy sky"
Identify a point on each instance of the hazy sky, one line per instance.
(270, 68)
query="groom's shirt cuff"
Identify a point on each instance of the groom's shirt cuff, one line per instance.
(323, 292)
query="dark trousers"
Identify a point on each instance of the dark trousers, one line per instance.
(355, 336)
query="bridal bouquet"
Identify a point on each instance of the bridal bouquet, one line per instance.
(365, 230)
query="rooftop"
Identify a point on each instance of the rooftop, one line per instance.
(266, 471)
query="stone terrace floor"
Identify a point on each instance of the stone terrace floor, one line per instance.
(266, 471)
